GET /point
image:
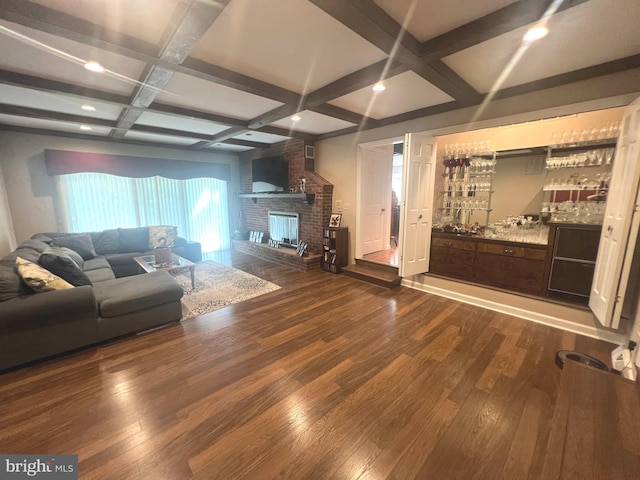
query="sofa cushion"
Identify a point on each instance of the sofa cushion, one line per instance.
(35, 244)
(42, 237)
(162, 236)
(78, 242)
(64, 267)
(106, 242)
(131, 294)
(100, 275)
(122, 258)
(95, 263)
(23, 252)
(133, 239)
(38, 278)
(11, 285)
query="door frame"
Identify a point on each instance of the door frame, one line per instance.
(359, 167)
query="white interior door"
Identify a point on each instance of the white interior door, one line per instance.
(375, 197)
(417, 204)
(620, 226)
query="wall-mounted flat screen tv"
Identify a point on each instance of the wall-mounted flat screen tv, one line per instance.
(270, 174)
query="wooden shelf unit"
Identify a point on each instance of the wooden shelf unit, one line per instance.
(335, 248)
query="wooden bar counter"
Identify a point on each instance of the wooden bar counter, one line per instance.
(515, 266)
(596, 427)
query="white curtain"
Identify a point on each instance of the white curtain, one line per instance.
(198, 207)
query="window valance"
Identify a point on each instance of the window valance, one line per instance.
(64, 162)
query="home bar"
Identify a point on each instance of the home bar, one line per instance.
(519, 208)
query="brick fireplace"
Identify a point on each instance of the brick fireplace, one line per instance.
(312, 217)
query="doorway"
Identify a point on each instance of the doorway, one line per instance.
(380, 191)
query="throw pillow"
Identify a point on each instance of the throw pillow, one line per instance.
(78, 242)
(65, 268)
(59, 251)
(133, 240)
(75, 256)
(162, 236)
(39, 279)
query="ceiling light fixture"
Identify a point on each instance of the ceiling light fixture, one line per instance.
(535, 33)
(296, 118)
(379, 87)
(85, 127)
(94, 67)
(88, 108)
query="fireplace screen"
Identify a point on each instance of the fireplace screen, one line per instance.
(284, 227)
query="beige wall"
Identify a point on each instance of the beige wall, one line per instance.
(7, 237)
(32, 193)
(533, 133)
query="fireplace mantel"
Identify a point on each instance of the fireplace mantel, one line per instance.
(308, 198)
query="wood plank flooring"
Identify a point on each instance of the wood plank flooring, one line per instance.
(386, 257)
(326, 378)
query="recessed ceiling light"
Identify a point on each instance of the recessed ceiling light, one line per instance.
(88, 108)
(535, 33)
(379, 87)
(94, 67)
(85, 127)
(296, 118)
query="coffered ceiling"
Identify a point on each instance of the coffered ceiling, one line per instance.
(231, 74)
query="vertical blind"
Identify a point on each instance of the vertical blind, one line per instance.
(198, 207)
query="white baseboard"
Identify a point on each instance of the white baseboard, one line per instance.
(586, 330)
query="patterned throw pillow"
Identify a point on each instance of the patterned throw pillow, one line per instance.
(39, 279)
(162, 236)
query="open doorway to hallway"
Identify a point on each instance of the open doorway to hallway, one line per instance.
(381, 189)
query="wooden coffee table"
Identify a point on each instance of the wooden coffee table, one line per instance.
(178, 264)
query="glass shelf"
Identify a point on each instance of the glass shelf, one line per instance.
(576, 189)
(587, 145)
(577, 166)
(466, 209)
(466, 191)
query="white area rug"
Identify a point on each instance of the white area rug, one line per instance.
(218, 285)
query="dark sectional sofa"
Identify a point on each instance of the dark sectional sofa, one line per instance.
(119, 301)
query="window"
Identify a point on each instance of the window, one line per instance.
(198, 207)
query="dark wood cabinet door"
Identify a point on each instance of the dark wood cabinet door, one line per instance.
(513, 273)
(491, 269)
(526, 275)
(452, 262)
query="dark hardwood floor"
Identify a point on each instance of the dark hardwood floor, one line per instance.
(325, 378)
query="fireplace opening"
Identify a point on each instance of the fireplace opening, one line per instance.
(285, 228)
